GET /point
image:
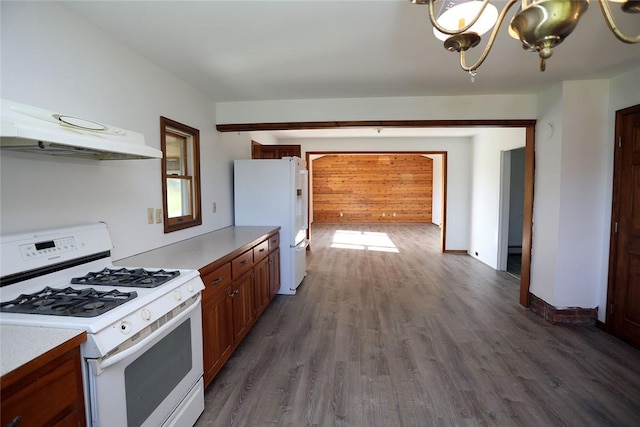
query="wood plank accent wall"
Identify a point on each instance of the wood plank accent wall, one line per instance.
(372, 188)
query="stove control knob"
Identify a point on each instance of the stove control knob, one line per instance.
(125, 327)
(145, 314)
(190, 287)
(177, 295)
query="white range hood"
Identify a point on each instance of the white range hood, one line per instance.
(29, 129)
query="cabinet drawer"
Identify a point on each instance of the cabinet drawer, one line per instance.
(274, 242)
(241, 263)
(260, 251)
(217, 279)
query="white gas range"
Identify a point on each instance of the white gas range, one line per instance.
(143, 355)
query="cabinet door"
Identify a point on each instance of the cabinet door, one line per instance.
(274, 273)
(51, 395)
(243, 306)
(217, 332)
(261, 282)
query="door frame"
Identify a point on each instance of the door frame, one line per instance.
(528, 125)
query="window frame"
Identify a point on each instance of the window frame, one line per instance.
(191, 135)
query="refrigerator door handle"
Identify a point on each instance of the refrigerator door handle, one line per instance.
(302, 245)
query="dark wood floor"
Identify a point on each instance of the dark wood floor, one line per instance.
(418, 338)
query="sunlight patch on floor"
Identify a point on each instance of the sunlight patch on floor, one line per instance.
(363, 240)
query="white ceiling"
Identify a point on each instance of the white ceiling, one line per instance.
(312, 49)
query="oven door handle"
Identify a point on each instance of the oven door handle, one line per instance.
(112, 360)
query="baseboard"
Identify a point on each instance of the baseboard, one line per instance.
(455, 251)
(563, 316)
(600, 325)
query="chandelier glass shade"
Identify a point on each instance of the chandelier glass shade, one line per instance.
(539, 25)
(457, 14)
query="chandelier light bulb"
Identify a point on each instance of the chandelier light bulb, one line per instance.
(457, 14)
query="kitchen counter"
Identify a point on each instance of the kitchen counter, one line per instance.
(197, 252)
(20, 345)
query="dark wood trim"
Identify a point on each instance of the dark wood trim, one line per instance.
(600, 325)
(527, 218)
(455, 251)
(250, 127)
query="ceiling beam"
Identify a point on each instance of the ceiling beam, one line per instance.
(254, 127)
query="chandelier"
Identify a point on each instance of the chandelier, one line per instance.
(540, 25)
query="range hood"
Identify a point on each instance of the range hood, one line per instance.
(33, 130)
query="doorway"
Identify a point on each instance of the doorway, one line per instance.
(528, 125)
(435, 209)
(512, 185)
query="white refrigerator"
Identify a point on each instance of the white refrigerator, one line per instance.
(275, 192)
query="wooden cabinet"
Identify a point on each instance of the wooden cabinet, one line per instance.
(238, 288)
(243, 306)
(260, 151)
(46, 391)
(262, 294)
(274, 273)
(217, 340)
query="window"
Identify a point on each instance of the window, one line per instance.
(180, 175)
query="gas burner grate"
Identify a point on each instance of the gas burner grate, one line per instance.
(133, 278)
(86, 302)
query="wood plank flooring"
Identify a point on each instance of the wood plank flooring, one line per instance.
(417, 338)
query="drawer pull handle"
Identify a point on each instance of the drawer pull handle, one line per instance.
(243, 262)
(261, 250)
(14, 422)
(218, 280)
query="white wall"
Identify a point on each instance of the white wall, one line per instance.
(436, 196)
(546, 194)
(486, 189)
(570, 188)
(55, 60)
(582, 193)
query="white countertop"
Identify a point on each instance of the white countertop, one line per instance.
(22, 344)
(199, 251)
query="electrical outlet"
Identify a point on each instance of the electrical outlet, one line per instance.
(149, 215)
(215, 208)
(158, 216)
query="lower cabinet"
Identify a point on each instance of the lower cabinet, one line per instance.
(216, 316)
(274, 273)
(51, 395)
(238, 288)
(243, 306)
(262, 294)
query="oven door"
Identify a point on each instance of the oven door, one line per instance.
(155, 382)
